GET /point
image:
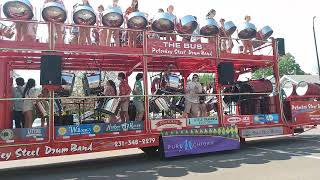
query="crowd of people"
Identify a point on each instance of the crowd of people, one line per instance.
(25, 108)
(101, 36)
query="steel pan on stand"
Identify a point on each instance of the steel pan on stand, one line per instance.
(112, 17)
(163, 22)
(18, 9)
(289, 88)
(84, 15)
(54, 12)
(264, 33)
(137, 20)
(262, 36)
(305, 88)
(247, 31)
(230, 28)
(187, 25)
(209, 28)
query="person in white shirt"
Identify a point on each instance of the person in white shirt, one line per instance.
(192, 102)
(28, 104)
(18, 104)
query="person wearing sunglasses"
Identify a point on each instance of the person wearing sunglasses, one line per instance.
(192, 103)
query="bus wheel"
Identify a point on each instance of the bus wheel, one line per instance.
(151, 151)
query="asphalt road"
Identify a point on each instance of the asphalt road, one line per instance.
(285, 158)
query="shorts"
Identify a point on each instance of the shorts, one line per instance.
(124, 106)
(192, 108)
(139, 106)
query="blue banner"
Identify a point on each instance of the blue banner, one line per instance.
(80, 129)
(202, 121)
(184, 145)
(31, 133)
(128, 126)
(266, 118)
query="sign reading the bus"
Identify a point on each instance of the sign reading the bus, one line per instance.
(306, 111)
(171, 48)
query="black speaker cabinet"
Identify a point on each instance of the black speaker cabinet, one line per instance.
(281, 47)
(226, 73)
(50, 70)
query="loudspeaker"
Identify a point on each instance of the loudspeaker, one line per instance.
(50, 70)
(281, 47)
(226, 73)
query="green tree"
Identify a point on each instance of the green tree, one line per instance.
(287, 66)
(206, 79)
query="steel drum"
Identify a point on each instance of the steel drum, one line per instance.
(289, 88)
(265, 33)
(209, 28)
(137, 20)
(305, 88)
(255, 86)
(109, 106)
(247, 31)
(230, 28)
(163, 22)
(188, 25)
(112, 17)
(54, 12)
(18, 9)
(84, 15)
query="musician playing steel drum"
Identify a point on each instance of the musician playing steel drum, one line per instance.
(124, 90)
(138, 101)
(57, 28)
(85, 32)
(172, 37)
(211, 14)
(132, 35)
(192, 97)
(247, 44)
(226, 41)
(111, 32)
(111, 90)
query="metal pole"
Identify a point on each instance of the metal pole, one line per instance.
(315, 43)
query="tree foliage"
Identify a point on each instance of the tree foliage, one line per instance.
(287, 66)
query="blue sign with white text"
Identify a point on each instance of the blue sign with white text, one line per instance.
(266, 118)
(202, 121)
(32, 133)
(80, 129)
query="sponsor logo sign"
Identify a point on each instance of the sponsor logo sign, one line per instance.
(170, 48)
(238, 120)
(259, 132)
(168, 124)
(128, 126)
(305, 111)
(266, 118)
(29, 133)
(202, 121)
(79, 129)
(184, 145)
(6, 134)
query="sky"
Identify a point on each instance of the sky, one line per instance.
(290, 19)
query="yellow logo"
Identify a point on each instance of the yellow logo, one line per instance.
(96, 128)
(62, 131)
